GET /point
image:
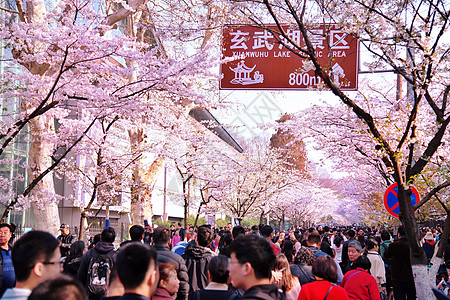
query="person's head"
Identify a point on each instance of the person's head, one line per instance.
(65, 229)
(168, 279)
(351, 233)
(136, 268)
(255, 228)
(237, 231)
(337, 241)
(5, 234)
(172, 227)
(76, 250)
(362, 262)
(354, 250)
(401, 231)
(179, 225)
(314, 239)
(372, 245)
(137, 233)
(62, 287)
(228, 227)
(36, 258)
(325, 268)
(282, 264)
(108, 235)
(385, 236)
(218, 269)
(252, 259)
(161, 235)
(305, 256)
(267, 231)
(204, 236)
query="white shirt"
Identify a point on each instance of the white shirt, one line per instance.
(16, 294)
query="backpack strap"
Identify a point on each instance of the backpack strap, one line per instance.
(343, 283)
(329, 290)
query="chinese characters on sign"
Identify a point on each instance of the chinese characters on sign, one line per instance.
(262, 63)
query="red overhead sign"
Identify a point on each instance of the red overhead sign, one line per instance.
(262, 63)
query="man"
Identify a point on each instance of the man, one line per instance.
(255, 230)
(354, 250)
(267, 233)
(96, 265)
(36, 257)
(66, 239)
(197, 256)
(7, 275)
(137, 270)
(161, 239)
(250, 267)
(351, 237)
(401, 270)
(180, 231)
(136, 235)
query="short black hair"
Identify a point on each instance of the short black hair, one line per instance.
(7, 225)
(218, 268)
(362, 262)
(62, 287)
(204, 236)
(385, 236)
(136, 232)
(266, 231)
(325, 267)
(108, 235)
(32, 247)
(401, 231)
(255, 228)
(256, 251)
(237, 231)
(161, 235)
(133, 262)
(351, 233)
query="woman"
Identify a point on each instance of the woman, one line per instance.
(168, 282)
(73, 259)
(337, 247)
(287, 282)
(302, 267)
(176, 238)
(288, 250)
(358, 283)
(325, 272)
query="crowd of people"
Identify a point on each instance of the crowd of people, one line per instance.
(204, 263)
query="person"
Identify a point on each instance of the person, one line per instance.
(354, 250)
(136, 235)
(288, 250)
(115, 288)
(429, 245)
(176, 238)
(255, 230)
(94, 240)
(36, 257)
(161, 239)
(61, 288)
(377, 264)
(137, 270)
(287, 282)
(401, 270)
(337, 247)
(358, 283)
(168, 282)
(7, 275)
(302, 267)
(267, 233)
(181, 231)
(217, 288)
(73, 260)
(96, 265)
(345, 262)
(197, 256)
(325, 273)
(66, 239)
(251, 264)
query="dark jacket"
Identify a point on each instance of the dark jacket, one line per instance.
(131, 296)
(197, 259)
(71, 266)
(165, 255)
(12, 280)
(66, 242)
(263, 292)
(344, 259)
(304, 274)
(101, 248)
(213, 294)
(399, 251)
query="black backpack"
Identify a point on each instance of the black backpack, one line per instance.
(98, 276)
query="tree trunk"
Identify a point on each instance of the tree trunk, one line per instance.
(39, 159)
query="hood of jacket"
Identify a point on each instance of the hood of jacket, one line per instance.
(263, 292)
(104, 247)
(196, 251)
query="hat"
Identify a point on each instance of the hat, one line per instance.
(64, 226)
(429, 236)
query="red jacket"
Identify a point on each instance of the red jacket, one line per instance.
(360, 285)
(317, 290)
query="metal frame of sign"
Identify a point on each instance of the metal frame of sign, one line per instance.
(391, 205)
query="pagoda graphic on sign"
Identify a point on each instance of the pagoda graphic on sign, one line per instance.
(242, 75)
